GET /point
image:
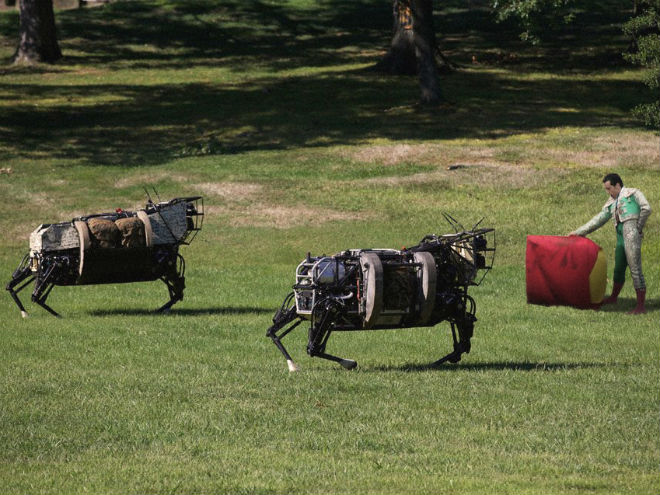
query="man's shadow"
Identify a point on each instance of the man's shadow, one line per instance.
(625, 304)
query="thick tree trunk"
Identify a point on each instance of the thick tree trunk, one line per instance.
(425, 48)
(414, 48)
(37, 37)
(401, 59)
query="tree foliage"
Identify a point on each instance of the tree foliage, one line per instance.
(535, 17)
(644, 29)
(540, 20)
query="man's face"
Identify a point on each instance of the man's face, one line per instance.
(612, 190)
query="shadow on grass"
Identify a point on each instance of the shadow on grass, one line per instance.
(285, 35)
(625, 304)
(229, 310)
(147, 124)
(140, 123)
(505, 366)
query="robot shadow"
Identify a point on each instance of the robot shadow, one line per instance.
(509, 366)
(220, 310)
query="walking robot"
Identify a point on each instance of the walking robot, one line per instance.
(369, 289)
(108, 248)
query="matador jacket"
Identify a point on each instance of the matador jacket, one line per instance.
(629, 205)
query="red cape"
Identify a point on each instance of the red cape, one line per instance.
(558, 269)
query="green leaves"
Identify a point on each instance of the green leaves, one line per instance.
(535, 17)
(644, 30)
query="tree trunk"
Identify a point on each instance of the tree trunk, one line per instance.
(425, 48)
(414, 48)
(401, 59)
(37, 37)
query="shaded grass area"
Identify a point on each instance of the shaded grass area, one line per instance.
(271, 111)
(145, 124)
(163, 79)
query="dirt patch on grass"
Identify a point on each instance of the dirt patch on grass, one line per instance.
(590, 159)
(424, 154)
(452, 166)
(283, 217)
(236, 191)
(246, 204)
(482, 174)
(41, 200)
(629, 149)
(19, 234)
(391, 155)
(148, 179)
(280, 217)
(604, 151)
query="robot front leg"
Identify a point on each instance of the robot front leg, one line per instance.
(461, 334)
(19, 276)
(43, 286)
(174, 278)
(272, 333)
(40, 295)
(319, 333)
(283, 317)
(175, 285)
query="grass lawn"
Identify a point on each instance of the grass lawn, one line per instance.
(272, 112)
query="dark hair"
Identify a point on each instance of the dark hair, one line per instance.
(613, 179)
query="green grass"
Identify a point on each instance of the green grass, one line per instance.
(272, 112)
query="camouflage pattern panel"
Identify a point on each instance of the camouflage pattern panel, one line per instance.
(132, 232)
(169, 223)
(54, 237)
(104, 233)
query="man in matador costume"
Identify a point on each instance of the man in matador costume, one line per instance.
(629, 210)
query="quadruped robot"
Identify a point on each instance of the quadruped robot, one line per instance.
(369, 289)
(108, 248)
